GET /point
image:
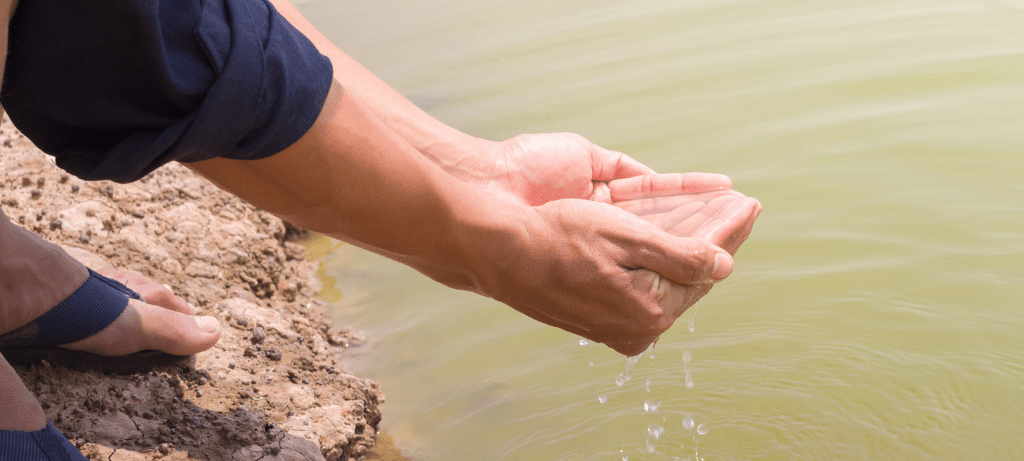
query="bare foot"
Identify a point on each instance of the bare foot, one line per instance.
(164, 322)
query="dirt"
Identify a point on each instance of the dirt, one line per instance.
(271, 389)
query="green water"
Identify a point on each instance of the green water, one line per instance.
(877, 310)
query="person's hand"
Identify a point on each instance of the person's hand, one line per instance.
(724, 218)
(610, 276)
(534, 169)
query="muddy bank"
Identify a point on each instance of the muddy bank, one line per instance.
(272, 388)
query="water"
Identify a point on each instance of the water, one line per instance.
(627, 374)
(873, 314)
(687, 422)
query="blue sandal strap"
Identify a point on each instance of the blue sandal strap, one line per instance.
(93, 306)
(46, 444)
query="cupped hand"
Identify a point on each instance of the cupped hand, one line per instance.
(597, 271)
(724, 218)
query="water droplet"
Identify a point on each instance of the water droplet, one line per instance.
(602, 398)
(584, 342)
(687, 422)
(627, 374)
(650, 349)
(652, 443)
(656, 430)
(687, 356)
(693, 320)
(647, 385)
(702, 429)
(651, 404)
(591, 363)
(625, 458)
(689, 380)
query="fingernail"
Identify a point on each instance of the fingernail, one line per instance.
(208, 324)
(723, 267)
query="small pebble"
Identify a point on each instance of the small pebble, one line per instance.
(165, 448)
(231, 365)
(56, 224)
(148, 414)
(25, 181)
(74, 188)
(40, 182)
(64, 178)
(36, 193)
(257, 335)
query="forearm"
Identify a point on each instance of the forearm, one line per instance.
(443, 144)
(353, 178)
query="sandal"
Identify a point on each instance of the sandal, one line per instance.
(93, 306)
(46, 444)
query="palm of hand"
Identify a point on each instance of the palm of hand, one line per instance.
(537, 168)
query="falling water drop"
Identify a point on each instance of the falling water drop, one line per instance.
(702, 429)
(584, 342)
(689, 380)
(687, 422)
(693, 320)
(651, 405)
(650, 349)
(652, 443)
(591, 363)
(655, 429)
(687, 356)
(647, 385)
(627, 374)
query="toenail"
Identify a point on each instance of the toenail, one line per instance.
(208, 324)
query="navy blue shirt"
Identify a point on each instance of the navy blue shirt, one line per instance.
(114, 89)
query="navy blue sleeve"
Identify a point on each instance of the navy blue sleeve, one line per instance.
(114, 89)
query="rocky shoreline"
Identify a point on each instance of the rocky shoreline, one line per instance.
(271, 389)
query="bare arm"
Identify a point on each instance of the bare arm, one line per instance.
(568, 263)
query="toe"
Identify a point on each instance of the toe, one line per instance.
(148, 327)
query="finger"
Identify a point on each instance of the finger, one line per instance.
(683, 260)
(607, 165)
(732, 225)
(650, 206)
(659, 185)
(601, 193)
(687, 226)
